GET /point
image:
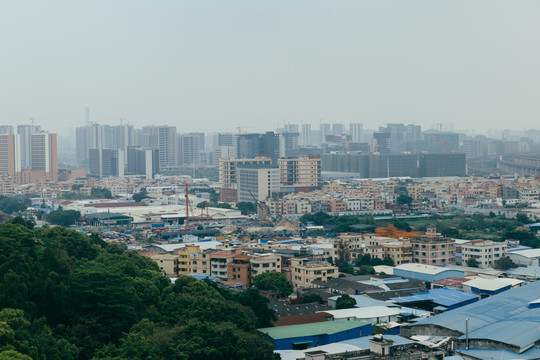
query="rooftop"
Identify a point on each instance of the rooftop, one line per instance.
(492, 318)
(302, 330)
(364, 312)
(487, 284)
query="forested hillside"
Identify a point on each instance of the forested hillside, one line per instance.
(67, 296)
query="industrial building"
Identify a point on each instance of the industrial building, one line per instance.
(426, 272)
(298, 337)
(396, 165)
(506, 325)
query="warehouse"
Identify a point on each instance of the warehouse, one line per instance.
(505, 323)
(426, 272)
(298, 337)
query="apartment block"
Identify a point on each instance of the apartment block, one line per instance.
(484, 251)
(433, 249)
(239, 270)
(304, 271)
(262, 263)
(303, 171)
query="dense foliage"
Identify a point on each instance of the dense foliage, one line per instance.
(63, 218)
(338, 223)
(273, 281)
(345, 302)
(67, 296)
(246, 207)
(11, 205)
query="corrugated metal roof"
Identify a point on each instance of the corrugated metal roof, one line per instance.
(444, 297)
(326, 327)
(504, 317)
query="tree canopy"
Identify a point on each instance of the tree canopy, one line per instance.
(273, 281)
(345, 302)
(69, 296)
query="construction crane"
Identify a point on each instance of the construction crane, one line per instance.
(375, 147)
(260, 207)
(444, 144)
(188, 207)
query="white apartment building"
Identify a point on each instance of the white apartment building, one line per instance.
(265, 263)
(484, 251)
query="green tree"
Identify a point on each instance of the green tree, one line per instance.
(503, 263)
(19, 220)
(13, 355)
(247, 208)
(523, 219)
(472, 262)
(345, 267)
(63, 218)
(345, 302)
(273, 281)
(451, 233)
(100, 193)
(366, 270)
(404, 199)
(388, 261)
(311, 298)
(142, 194)
(12, 205)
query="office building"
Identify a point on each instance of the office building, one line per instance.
(162, 138)
(189, 148)
(106, 163)
(10, 161)
(256, 181)
(6, 129)
(356, 130)
(252, 145)
(306, 134)
(25, 137)
(142, 161)
(288, 144)
(44, 157)
(228, 170)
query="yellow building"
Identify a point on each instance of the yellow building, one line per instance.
(262, 263)
(184, 262)
(305, 271)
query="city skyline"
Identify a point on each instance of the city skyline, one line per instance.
(202, 66)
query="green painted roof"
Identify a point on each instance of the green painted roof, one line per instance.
(319, 328)
(108, 216)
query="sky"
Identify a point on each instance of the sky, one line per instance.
(218, 65)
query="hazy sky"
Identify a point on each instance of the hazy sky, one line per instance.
(215, 65)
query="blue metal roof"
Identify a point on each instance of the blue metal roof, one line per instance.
(504, 317)
(533, 353)
(443, 296)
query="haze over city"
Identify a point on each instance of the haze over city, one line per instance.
(215, 66)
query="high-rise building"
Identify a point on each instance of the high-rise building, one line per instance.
(10, 161)
(228, 175)
(252, 145)
(189, 148)
(325, 130)
(306, 134)
(291, 128)
(338, 129)
(257, 181)
(106, 162)
(25, 135)
(356, 131)
(6, 129)
(162, 138)
(303, 171)
(44, 148)
(288, 143)
(142, 161)
(88, 137)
